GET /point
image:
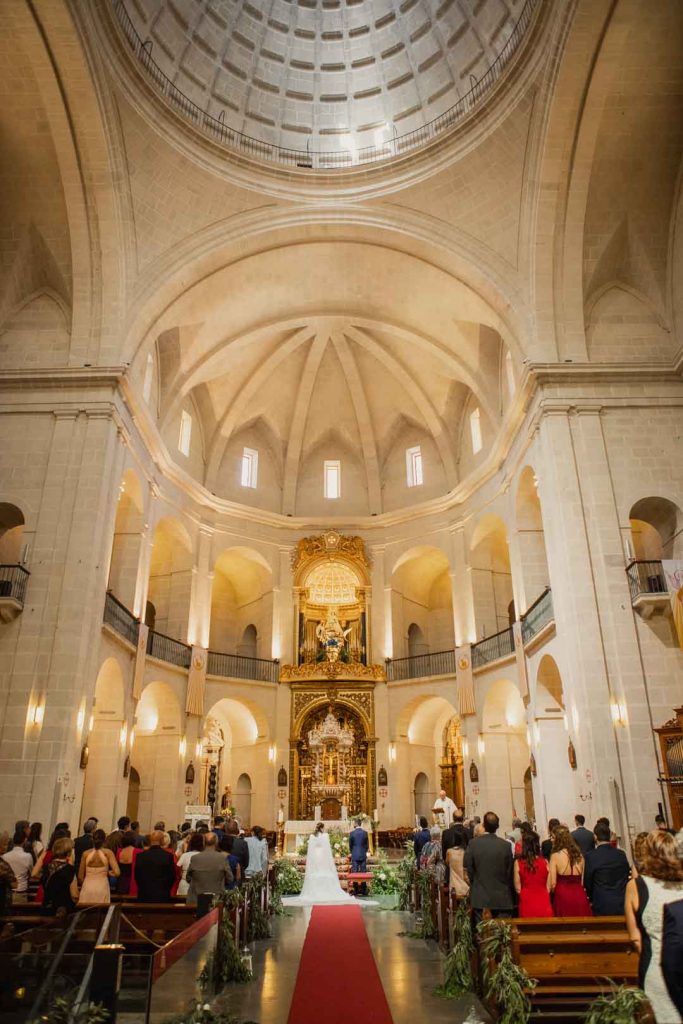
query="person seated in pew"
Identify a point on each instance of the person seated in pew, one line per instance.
(8, 881)
(209, 870)
(658, 886)
(155, 872)
(58, 879)
(565, 877)
(531, 878)
(605, 875)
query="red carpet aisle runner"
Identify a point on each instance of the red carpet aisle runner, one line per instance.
(338, 981)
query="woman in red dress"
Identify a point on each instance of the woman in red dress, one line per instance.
(531, 878)
(565, 879)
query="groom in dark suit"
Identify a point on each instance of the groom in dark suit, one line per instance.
(358, 848)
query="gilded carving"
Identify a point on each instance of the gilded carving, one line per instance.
(330, 543)
(323, 670)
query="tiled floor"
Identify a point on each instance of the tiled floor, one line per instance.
(410, 970)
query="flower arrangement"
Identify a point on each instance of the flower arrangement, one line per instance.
(385, 879)
(339, 843)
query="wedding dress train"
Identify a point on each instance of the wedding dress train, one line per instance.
(321, 881)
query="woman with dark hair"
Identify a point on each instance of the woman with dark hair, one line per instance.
(226, 846)
(96, 866)
(531, 878)
(125, 856)
(565, 877)
(195, 845)
(35, 840)
(659, 883)
(455, 857)
(45, 859)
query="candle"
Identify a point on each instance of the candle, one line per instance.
(374, 814)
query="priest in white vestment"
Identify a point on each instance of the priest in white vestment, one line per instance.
(444, 806)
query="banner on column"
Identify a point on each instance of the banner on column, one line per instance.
(139, 674)
(673, 574)
(194, 705)
(465, 680)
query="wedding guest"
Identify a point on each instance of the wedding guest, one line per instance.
(184, 840)
(8, 882)
(84, 842)
(155, 872)
(21, 863)
(448, 838)
(226, 845)
(420, 839)
(605, 875)
(96, 867)
(135, 829)
(488, 865)
(45, 859)
(239, 846)
(125, 856)
(672, 941)
(35, 840)
(209, 871)
(614, 839)
(582, 836)
(565, 878)
(115, 839)
(638, 851)
(431, 855)
(547, 844)
(658, 886)
(660, 823)
(58, 879)
(258, 852)
(531, 878)
(195, 845)
(455, 866)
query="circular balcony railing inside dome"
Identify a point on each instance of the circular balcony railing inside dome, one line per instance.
(308, 159)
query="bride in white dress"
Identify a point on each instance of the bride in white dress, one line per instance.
(321, 881)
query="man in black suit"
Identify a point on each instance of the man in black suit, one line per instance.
(547, 844)
(488, 865)
(605, 875)
(84, 842)
(240, 848)
(155, 872)
(358, 848)
(583, 837)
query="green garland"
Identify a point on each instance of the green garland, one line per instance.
(61, 1008)
(506, 983)
(457, 969)
(288, 882)
(426, 929)
(203, 1014)
(225, 963)
(405, 871)
(258, 926)
(622, 1006)
(385, 877)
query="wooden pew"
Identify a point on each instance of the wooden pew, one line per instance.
(573, 959)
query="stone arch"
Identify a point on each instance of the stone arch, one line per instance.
(550, 738)
(106, 744)
(242, 799)
(12, 525)
(241, 597)
(170, 577)
(656, 529)
(623, 325)
(530, 539)
(234, 734)
(424, 797)
(248, 646)
(491, 573)
(417, 644)
(38, 330)
(127, 540)
(422, 600)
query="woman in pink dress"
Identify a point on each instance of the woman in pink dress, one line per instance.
(531, 878)
(565, 878)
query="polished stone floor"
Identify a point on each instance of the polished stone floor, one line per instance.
(410, 970)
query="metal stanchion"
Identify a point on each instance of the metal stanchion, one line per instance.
(105, 981)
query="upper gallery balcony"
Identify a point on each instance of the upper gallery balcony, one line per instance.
(13, 580)
(647, 583)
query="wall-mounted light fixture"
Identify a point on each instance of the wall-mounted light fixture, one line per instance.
(198, 748)
(123, 735)
(481, 745)
(465, 750)
(272, 753)
(619, 713)
(182, 747)
(392, 752)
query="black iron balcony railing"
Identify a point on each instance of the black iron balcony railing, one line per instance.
(491, 648)
(121, 619)
(13, 580)
(645, 578)
(219, 131)
(538, 615)
(440, 663)
(165, 648)
(237, 666)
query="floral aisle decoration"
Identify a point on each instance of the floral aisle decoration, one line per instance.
(258, 926)
(202, 1013)
(457, 969)
(225, 963)
(339, 843)
(61, 1011)
(385, 878)
(406, 870)
(506, 984)
(288, 882)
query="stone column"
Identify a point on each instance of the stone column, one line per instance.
(461, 585)
(283, 609)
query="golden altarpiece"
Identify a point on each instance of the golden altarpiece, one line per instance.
(332, 760)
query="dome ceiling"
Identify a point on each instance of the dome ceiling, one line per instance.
(332, 74)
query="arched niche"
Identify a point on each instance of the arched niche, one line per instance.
(491, 575)
(241, 600)
(550, 739)
(232, 740)
(422, 600)
(170, 577)
(11, 534)
(506, 750)
(242, 799)
(656, 529)
(127, 539)
(530, 539)
(424, 797)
